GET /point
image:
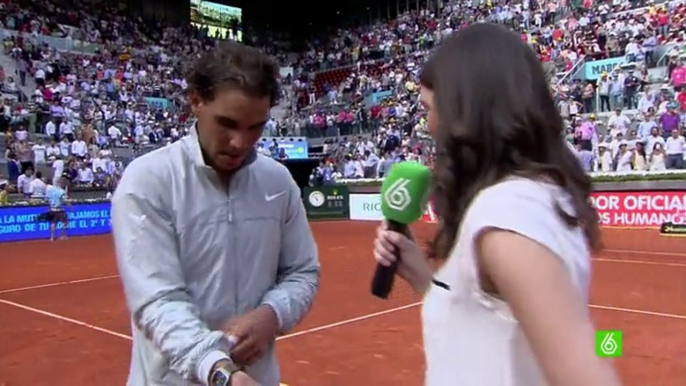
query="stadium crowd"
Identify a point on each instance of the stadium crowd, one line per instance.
(359, 89)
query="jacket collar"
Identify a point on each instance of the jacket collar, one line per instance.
(192, 145)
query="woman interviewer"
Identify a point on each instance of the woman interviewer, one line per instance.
(516, 225)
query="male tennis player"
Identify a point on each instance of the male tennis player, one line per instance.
(213, 245)
(56, 196)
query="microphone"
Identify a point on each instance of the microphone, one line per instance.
(404, 194)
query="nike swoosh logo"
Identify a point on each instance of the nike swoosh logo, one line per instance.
(273, 196)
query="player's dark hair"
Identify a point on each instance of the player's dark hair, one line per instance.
(497, 118)
(234, 65)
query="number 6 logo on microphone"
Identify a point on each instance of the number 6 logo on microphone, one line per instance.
(397, 196)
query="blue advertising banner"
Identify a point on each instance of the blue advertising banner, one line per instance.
(593, 70)
(18, 223)
(294, 150)
(157, 103)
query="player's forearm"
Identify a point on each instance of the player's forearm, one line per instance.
(292, 297)
(171, 324)
(168, 318)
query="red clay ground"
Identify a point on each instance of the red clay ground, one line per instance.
(70, 326)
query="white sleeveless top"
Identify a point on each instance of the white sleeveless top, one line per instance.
(471, 338)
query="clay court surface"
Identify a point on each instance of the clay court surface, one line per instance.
(63, 320)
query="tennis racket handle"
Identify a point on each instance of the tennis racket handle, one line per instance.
(384, 277)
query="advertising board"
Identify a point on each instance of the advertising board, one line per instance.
(19, 223)
(640, 209)
(326, 202)
(367, 207)
(593, 70)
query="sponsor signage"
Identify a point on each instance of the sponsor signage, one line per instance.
(19, 223)
(593, 70)
(367, 207)
(640, 209)
(326, 202)
(669, 229)
(666, 210)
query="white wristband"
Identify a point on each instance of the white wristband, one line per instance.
(207, 362)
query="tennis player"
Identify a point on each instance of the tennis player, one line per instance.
(213, 246)
(56, 215)
(516, 225)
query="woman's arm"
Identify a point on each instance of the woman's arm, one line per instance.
(537, 287)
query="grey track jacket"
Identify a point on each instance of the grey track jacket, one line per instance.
(192, 255)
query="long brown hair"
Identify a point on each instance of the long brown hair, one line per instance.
(497, 118)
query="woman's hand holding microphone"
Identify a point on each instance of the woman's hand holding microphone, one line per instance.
(413, 265)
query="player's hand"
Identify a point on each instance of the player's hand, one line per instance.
(413, 266)
(252, 334)
(240, 378)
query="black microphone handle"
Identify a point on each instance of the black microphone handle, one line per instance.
(382, 283)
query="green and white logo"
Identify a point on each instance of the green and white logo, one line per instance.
(397, 196)
(608, 343)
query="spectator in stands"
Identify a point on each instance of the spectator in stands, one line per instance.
(640, 161)
(71, 172)
(57, 166)
(670, 120)
(657, 158)
(586, 157)
(605, 162)
(79, 149)
(623, 159)
(604, 92)
(674, 148)
(24, 183)
(5, 190)
(85, 174)
(631, 85)
(37, 187)
(618, 122)
(39, 151)
(11, 86)
(24, 154)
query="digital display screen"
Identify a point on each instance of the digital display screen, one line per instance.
(222, 21)
(293, 150)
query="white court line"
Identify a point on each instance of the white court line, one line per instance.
(316, 329)
(636, 252)
(347, 321)
(639, 262)
(651, 313)
(12, 290)
(65, 319)
(127, 337)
